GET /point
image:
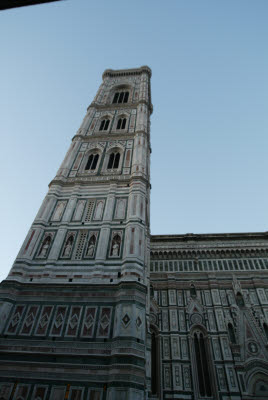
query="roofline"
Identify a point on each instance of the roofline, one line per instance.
(124, 72)
(209, 236)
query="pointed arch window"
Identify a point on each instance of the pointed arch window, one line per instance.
(120, 97)
(92, 162)
(202, 364)
(192, 291)
(240, 300)
(265, 327)
(104, 125)
(121, 123)
(231, 333)
(154, 364)
(113, 162)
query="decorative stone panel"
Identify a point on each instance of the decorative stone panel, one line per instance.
(73, 321)
(15, 319)
(58, 322)
(104, 322)
(29, 320)
(44, 319)
(5, 390)
(39, 392)
(89, 322)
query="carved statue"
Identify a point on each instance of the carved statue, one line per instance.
(115, 250)
(91, 246)
(68, 247)
(59, 211)
(45, 247)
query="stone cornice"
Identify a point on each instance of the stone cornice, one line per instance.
(108, 137)
(127, 72)
(95, 180)
(226, 245)
(111, 107)
(191, 237)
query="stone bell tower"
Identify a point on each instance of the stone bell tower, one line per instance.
(74, 306)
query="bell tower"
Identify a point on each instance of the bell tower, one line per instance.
(74, 307)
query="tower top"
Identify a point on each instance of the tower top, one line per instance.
(125, 72)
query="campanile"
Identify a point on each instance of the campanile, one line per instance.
(74, 307)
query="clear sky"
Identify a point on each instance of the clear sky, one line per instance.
(209, 89)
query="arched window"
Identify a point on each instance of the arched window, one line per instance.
(120, 97)
(121, 123)
(240, 300)
(202, 365)
(154, 365)
(192, 291)
(114, 161)
(104, 124)
(92, 162)
(231, 333)
(265, 327)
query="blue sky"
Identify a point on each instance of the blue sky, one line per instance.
(209, 89)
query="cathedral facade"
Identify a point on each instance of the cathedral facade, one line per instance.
(96, 308)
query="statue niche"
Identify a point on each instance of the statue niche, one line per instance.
(91, 246)
(116, 245)
(68, 246)
(45, 247)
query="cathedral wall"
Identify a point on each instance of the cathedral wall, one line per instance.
(212, 294)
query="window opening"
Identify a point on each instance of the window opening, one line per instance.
(121, 124)
(115, 100)
(240, 300)
(231, 333)
(104, 124)
(92, 161)
(202, 365)
(154, 364)
(121, 97)
(265, 327)
(193, 291)
(114, 161)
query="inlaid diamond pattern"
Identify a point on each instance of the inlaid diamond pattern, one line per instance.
(126, 320)
(104, 321)
(89, 321)
(29, 320)
(15, 319)
(138, 322)
(74, 321)
(44, 320)
(59, 320)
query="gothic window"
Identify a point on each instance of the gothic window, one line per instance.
(265, 327)
(240, 300)
(121, 123)
(120, 97)
(231, 333)
(113, 162)
(104, 125)
(192, 291)
(92, 162)
(154, 365)
(202, 364)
